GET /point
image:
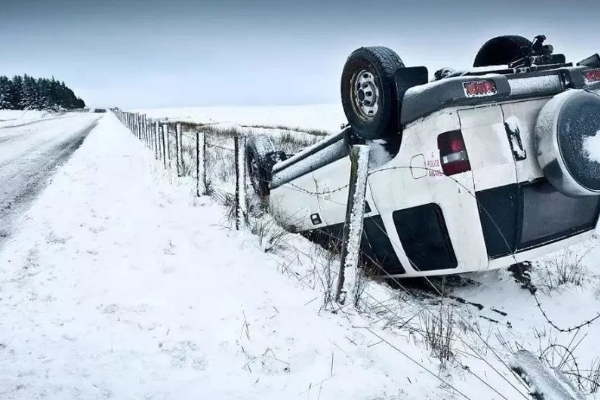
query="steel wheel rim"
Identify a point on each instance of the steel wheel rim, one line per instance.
(365, 94)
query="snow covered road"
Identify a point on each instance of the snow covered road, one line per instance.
(29, 152)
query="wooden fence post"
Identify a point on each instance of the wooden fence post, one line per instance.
(178, 155)
(144, 132)
(543, 382)
(151, 138)
(156, 140)
(149, 143)
(204, 164)
(164, 141)
(353, 226)
(146, 135)
(200, 164)
(167, 141)
(147, 124)
(240, 181)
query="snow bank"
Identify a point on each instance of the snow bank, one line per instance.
(118, 287)
(327, 117)
(591, 146)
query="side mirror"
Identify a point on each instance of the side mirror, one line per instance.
(409, 77)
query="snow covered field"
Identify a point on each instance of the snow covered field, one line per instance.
(326, 117)
(121, 284)
(118, 285)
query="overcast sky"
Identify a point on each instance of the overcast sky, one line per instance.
(172, 53)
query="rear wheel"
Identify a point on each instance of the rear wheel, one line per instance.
(261, 156)
(369, 94)
(502, 50)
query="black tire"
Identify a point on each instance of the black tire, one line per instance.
(261, 156)
(502, 50)
(382, 64)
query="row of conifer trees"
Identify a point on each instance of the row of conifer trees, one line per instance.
(28, 93)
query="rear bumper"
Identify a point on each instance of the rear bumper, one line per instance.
(503, 262)
(540, 251)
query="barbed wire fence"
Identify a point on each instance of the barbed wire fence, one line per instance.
(209, 157)
(192, 153)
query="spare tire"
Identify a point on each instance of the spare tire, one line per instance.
(369, 93)
(502, 50)
(567, 143)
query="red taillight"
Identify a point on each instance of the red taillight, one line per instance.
(456, 145)
(453, 153)
(592, 76)
(480, 88)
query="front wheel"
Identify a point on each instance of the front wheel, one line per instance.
(261, 156)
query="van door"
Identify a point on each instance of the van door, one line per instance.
(494, 176)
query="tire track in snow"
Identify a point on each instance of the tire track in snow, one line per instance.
(23, 178)
(37, 121)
